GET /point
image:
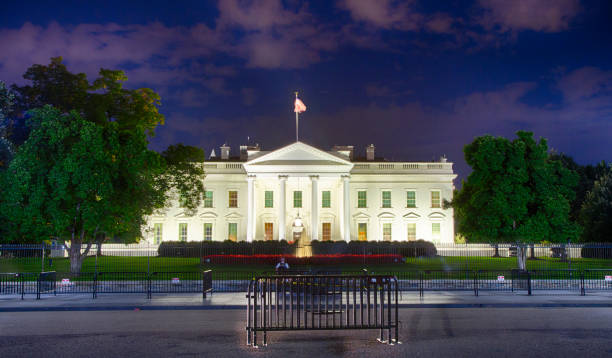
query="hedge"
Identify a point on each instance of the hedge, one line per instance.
(344, 259)
(203, 248)
(418, 248)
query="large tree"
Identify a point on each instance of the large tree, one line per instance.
(7, 100)
(596, 212)
(515, 192)
(139, 180)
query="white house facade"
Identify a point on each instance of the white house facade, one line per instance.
(300, 192)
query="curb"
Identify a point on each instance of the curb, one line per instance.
(243, 307)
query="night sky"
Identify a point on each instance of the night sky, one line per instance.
(418, 79)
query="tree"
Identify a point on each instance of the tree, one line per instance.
(7, 100)
(515, 193)
(139, 180)
(596, 212)
(185, 173)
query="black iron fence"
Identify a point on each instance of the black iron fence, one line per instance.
(322, 302)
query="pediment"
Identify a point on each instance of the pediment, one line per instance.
(184, 215)
(386, 215)
(436, 215)
(361, 215)
(208, 215)
(233, 215)
(299, 153)
(412, 215)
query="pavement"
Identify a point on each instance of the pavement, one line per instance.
(232, 301)
(424, 332)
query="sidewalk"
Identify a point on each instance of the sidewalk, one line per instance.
(76, 302)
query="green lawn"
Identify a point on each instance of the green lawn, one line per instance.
(165, 264)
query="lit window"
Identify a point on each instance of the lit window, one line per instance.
(269, 199)
(435, 199)
(387, 231)
(297, 199)
(411, 231)
(435, 231)
(208, 199)
(326, 231)
(269, 231)
(326, 199)
(362, 232)
(233, 199)
(362, 199)
(183, 232)
(232, 231)
(207, 231)
(386, 199)
(157, 232)
(411, 199)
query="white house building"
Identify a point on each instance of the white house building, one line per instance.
(300, 192)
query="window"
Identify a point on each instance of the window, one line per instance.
(387, 231)
(269, 231)
(208, 199)
(326, 199)
(297, 199)
(386, 199)
(233, 199)
(411, 231)
(362, 199)
(157, 233)
(362, 232)
(326, 231)
(269, 199)
(435, 199)
(411, 199)
(232, 231)
(207, 231)
(183, 232)
(435, 231)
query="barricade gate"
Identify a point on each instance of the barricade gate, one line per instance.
(322, 302)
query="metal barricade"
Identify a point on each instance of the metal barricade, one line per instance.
(322, 302)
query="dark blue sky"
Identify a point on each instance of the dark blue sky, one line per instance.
(417, 78)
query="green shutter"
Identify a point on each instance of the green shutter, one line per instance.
(326, 200)
(208, 199)
(386, 199)
(297, 199)
(362, 201)
(411, 199)
(269, 199)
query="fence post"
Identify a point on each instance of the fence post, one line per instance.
(475, 283)
(95, 286)
(582, 289)
(22, 284)
(42, 265)
(38, 288)
(421, 284)
(528, 283)
(149, 295)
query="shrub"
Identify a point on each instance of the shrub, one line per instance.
(344, 259)
(203, 248)
(418, 248)
(595, 251)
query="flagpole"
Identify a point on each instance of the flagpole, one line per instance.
(297, 138)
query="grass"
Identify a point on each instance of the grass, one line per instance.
(167, 264)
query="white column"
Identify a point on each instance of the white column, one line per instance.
(346, 205)
(314, 212)
(281, 208)
(250, 207)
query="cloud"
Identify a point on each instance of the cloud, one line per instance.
(535, 15)
(249, 96)
(386, 14)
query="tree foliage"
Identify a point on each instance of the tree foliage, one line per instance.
(596, 211)
(515, 192)
(85, 172)
(7, 100)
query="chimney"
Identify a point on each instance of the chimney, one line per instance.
(247, 151)
(213, 155)
(370, 152)
(443, 159)
(344, 150)
(225, 152)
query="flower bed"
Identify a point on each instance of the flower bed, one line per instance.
(342, 259)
